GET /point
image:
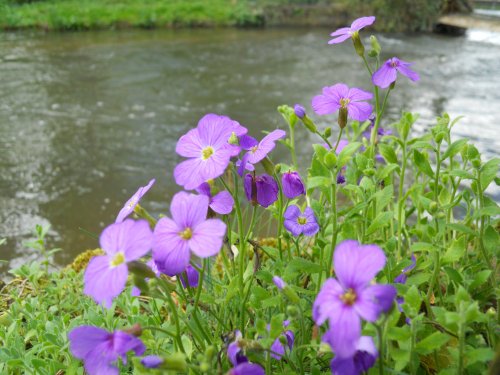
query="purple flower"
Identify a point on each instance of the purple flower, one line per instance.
(192, 277)
(347, 32)
(234, 353)
(299, 110)
(99, 348)
(341, 97)
(187, 231)
(152, 361)
(387, 73)
(106, 275)
(256, 151)
(208, 150)
(403, 276)
(247, 368)
(222, 202)
(261, 189)
(344, 302)
(363, 359)
(292, 185)
(277, 347)
(340, 178)
(129, 207)
(298, 223)
(278, 281)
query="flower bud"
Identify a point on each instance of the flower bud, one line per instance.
(277, 168)
(152, 361)
(433, 206)
(292, 311)
(328, 132)
(278, 281)
(299, 110)
(175, 362)
(330, 160)
(233, 139)
(369, 171)
(476, 163)
(358, 45)
(375, 51)
(309, 124)
(342, 120)
(292, 185)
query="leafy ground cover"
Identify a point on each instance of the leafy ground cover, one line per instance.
(384, 258)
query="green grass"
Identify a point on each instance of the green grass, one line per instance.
(105, 14)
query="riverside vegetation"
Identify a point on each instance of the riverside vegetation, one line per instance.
(413, 15)
(384, 258)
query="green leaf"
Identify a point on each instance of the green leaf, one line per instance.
(455, 251)
(413, 300)
(454, 148)
(299, 265)
(384, 197)
(432, 342)
(422, 163)
(491, 239)
(479, 355)
(388, 153)
(346, 153)
(386, 171)
(480, 279)
(487, 211)
(318, 181)
(383, 219)
(457, 227)
(462, 174)
(488, 172)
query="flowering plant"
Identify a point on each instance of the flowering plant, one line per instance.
(365, 270)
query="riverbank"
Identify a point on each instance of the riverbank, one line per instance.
(61, 15)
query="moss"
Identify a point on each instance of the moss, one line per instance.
(81, 261)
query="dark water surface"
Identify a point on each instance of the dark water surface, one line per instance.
(86, 118)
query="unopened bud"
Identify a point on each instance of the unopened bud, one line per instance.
(328, 132)
(433, 206)
(375, 51)
(175, 362)
(209, 353)
(292, 311)
(299, 110)
(476, 163)
(369, 171)
(309, 124)
(330, 160)
(233, 139)
(358, 45)
(268, 165)
(290, 294)
(342, 118)
(277, 168)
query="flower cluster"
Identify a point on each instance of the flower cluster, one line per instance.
(170, 256)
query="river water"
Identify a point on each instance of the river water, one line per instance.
(86, 118)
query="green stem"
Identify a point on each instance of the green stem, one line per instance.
(292, 146)
(333, 198)
(175, 316)
(338, 140)
(401, 203)
(381, 349)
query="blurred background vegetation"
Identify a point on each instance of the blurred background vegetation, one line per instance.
(393, 15)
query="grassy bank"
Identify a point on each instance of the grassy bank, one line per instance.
(412, 15)
(105, 14)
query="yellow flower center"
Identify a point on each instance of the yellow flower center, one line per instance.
(186, 234)
(207, 152)
(349, 297)
(118, 259)
(344, 102)
(254, 148)
(301, 220)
